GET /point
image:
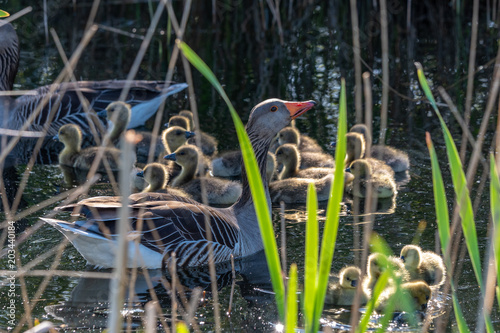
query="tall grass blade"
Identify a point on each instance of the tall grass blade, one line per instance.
(311, 255)
(442, 216)
(332, 215)
(291, 301)
(370, 307)
(495, 215)
(254, 180)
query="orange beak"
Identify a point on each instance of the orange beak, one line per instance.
(298, 108)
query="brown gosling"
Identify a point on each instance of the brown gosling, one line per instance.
(219, 191)
(343, 292)
(208, 143)
(303, 142)
(228, 164)
(397, 159)
(370, 172)
(417, 293)
(378, 263)
(173, 137)
(289, 156)
(73, 156)
(294, 190)
(156, 175)
(424, 265)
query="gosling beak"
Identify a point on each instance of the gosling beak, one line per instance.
(403, 258)
(55, 137)
(189, 134)
(140, 174)
(298, 108)
(354, 283)
(103, 113)
(333, 144)
(424, 307)
(348, 169)
(165, 125)
(170, 157)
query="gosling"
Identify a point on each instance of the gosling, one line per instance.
(370, 172)
(343, 292)
(288, 155)
(423, 265)
(416, 293)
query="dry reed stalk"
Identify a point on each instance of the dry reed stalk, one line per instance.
(470, 77)
(356, 48)
(118, 283)
(385, 71)
(233, 284)
(150, 317)
(368, 109)
(173, 295)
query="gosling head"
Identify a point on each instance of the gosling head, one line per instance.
(71, 136)
(349, 277)
(189, 115)
(186, 155)
(118, 113)
(421, 293)
(287, 153)
(174, 137)
(377, 264)
(180, 121)
(362, 129)
(360, 169)
(289, 135)
(411, 256)
(355, 147)
(157, 176)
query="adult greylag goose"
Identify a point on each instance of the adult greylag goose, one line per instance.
(374, 173)
(288, 156)
(219, 191)
(303, 142)
(144, 96)
(118, 114)
(397, 159)
(73, 156)
(208, 143)
(173, 226)
(424, 265)
(228, 164)
(377, 264)
(294, 190)
(416, 294)
(343, 291)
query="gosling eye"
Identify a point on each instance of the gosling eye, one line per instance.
(182, 153)
(426, 298)
(178, 133)
(348, 279)
(274, 108)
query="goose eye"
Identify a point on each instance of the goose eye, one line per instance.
(274, 108)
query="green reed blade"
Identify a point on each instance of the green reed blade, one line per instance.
(495, 215)
(254, 180)
(332, 214)
(291, 301)
(462, 195)
(370, 306)
(311, 259)
(443, 219)
(440, 202)
(3, 13)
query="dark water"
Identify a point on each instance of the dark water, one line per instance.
(243, 48)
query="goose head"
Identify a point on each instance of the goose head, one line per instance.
(71, 136)
(411, 256)
(360, 169)
(189, 115)
(9, 56)
(420, 292)
(180, 121)
(362, 129)
(273, 115)
(349, 277)
(355, 147)
(289, 135)
(156, 174)
(174, 137)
